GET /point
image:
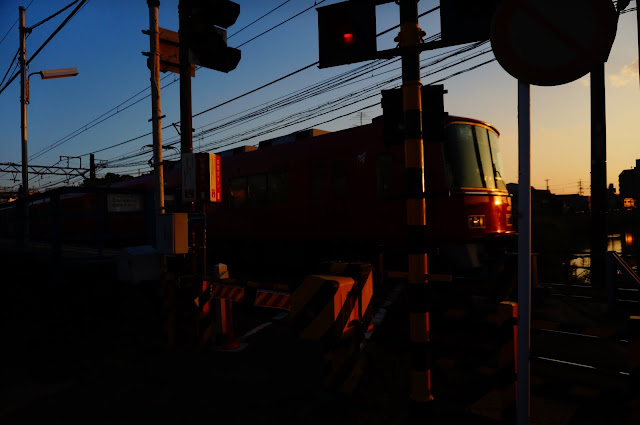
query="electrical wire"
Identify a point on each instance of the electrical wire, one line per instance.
(86, 127)
(14, 24)
(295, 118)
(136, 138)
(54, 15)
(266, 14)
(324, 111)
(10, 66)
(281, 23)
(62, 25)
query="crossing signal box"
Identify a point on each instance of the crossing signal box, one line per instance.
(208, 23)
(346, 33)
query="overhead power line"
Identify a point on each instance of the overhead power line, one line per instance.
(263, 16)
(264, 85)
(93, 123)
(54, 15)
(14, 24)
(301, 116)
(281, 23)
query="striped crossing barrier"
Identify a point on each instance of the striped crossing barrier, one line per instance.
(333, 311)
(227, 294)
(273, 299)
(326, 307)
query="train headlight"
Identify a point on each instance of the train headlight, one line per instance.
(476, 221)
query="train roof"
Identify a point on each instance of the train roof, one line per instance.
(454, 118)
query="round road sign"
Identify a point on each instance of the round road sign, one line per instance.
(551, 42)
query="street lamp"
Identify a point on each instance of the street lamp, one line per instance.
(24, 100)
(49, 74)
(45, 75)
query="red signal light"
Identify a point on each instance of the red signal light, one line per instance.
(348, 39)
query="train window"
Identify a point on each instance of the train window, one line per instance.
(257, 189)
(238, 191)
(497, 159)
(384, 174)
(260, 190)
(339, 179)
(460, 157)
(484, 152)
(278, 188)
(318, 186)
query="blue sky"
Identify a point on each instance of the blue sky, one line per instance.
(104, 41)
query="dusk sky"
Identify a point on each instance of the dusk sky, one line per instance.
(97, 109)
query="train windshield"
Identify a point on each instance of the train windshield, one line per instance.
(472, 157)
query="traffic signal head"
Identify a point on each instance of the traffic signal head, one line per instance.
(208, 36)
(346, 33)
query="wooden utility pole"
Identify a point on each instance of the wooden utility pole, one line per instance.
(156, 105)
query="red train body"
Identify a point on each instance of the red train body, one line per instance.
(340, 195)
(299, 199)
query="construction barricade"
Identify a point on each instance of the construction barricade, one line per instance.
(333, 310)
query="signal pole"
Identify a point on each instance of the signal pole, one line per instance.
(186, 136)
(421, 409)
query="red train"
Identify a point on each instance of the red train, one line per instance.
(315, 195)
(340, 196)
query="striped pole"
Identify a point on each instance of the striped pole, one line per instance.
(420, 391)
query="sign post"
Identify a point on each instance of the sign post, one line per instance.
(546, 43)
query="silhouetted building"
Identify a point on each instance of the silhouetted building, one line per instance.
(543, 202)
(629, 182)
(614, 201)
(574, 204)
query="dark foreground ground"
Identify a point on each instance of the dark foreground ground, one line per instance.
(81, 347)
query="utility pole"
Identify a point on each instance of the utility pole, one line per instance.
(156, 109)
(580, 187)
(421, 407)
(23, 125)
(547, 180)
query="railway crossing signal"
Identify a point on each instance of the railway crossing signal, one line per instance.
(208, 35)
(346, 33)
